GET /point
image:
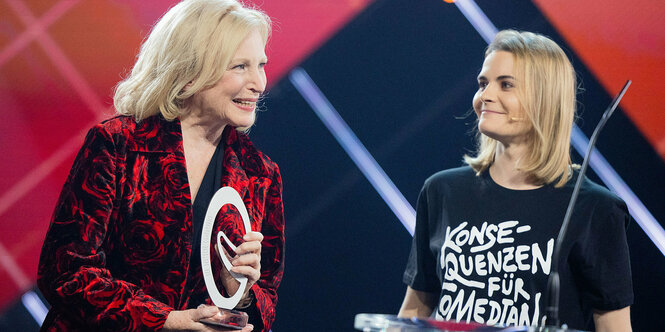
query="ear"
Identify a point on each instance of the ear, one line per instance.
(187, 86)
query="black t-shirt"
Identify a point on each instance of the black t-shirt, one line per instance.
(487, 250)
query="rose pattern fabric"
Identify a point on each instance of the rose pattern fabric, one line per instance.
(117, 252)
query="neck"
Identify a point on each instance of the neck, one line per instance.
(504, 170)
(201, 127)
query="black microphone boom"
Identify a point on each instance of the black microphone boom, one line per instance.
(552, 309)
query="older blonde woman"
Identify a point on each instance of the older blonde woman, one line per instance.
(484, 236)
(121, 253)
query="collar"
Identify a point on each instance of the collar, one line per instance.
(156, 134)
(241, 159)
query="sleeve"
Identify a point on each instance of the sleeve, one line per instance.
(606, 281)
(272, 258)
(420, 273)
(72, 272)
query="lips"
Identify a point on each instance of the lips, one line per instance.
(247, 104)
(490, 111)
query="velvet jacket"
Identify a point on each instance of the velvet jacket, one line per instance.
(117, 252)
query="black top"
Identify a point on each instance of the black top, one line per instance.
(211, 182)
(487, 250)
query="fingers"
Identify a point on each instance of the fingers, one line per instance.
(248, 265)
(253, 236)
(212, 312)
(204, 311)
(247, 260)
(252, 244)
(249, 248)
(252, 260)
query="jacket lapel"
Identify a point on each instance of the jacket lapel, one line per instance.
(245, 171)
(162, 140)
(234, 174)
(243, 166)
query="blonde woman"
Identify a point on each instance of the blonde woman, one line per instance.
(121, 253)
(485, 233)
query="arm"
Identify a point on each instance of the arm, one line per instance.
(272, 255)
(612, 321)
(602, 266)
(420, 268)
(72, 270)
(417, 304)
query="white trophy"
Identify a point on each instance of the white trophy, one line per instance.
(230, 318)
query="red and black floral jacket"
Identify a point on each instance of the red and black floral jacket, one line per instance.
(117, 252)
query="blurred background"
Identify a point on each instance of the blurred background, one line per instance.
(399, 73)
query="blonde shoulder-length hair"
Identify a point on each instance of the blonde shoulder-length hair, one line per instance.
(192, 43)
(548, 96)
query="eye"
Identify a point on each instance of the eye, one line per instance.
(239, 66)
(482, 85)
(507, 85)
(263, 64)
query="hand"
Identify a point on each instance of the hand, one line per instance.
(188, 320)
(247, 262)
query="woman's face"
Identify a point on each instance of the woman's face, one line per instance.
(499, 111)
(233, 98)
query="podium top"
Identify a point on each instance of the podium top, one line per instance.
(391, 323)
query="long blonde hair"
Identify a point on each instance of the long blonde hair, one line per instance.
(192, 43)
(548, 97)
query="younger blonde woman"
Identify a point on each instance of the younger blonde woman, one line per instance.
(484, 238)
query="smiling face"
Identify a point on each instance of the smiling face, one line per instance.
(496, 103)
(233, 98)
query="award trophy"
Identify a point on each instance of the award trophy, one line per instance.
(230, 318)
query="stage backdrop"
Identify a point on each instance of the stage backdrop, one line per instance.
(401, 73)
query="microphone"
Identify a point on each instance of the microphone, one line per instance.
(552, 309)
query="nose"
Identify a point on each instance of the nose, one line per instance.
(488, 94)
(257, 80)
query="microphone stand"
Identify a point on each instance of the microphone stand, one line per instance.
(553, 285)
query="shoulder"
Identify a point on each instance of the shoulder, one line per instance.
(107, 131)
(104, 144)
(271, 167)
(116, 125)
(152, 134)
(606, 208)
(451, 178)
(252, 159)
(600, 196)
